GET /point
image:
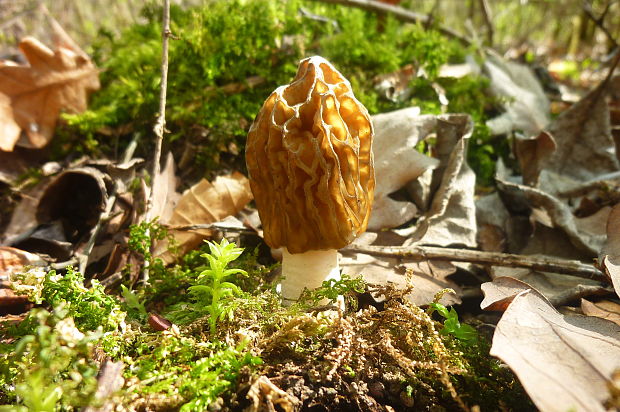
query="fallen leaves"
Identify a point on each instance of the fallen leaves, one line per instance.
(13, 260)
(564, 362)
(9, 129)
(610, 254)
(585, 147)
(203, 203)
(526, 107)
(397, 163)
(32, 96)
(443, 191)
(604, 309)
(451, 217)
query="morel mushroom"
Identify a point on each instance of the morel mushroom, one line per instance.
(309, 158)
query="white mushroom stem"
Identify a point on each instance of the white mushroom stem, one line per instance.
(307, 270)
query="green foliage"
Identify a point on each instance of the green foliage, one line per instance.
(222, 43)
(489, 383)
(51, 368)
(217, 44)
(91, 308)
(452, 326)
(332, 289)
(133, 302)
(142, 235)
(211, 290)
(211, 376)
(211, 285)
(185, 367)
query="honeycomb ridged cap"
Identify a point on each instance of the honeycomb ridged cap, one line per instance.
(309, 158)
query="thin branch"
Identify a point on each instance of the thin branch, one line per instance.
(400, 14)
(215, 226)
(543, 264)
(160, 125)
(599, 21)
(488, 20)
(63, 265)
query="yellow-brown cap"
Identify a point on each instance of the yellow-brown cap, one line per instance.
(309, 157)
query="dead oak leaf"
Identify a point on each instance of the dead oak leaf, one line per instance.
(604, 309)
(205, 202)
(9, 130)
(609, 257)
(53, 81)
(563, 361)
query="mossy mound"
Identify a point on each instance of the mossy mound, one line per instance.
(226, 58)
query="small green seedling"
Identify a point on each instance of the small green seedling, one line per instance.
(212, 282)
(133, 301)
(452, 326)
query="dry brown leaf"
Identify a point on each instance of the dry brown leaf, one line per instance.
(451, 218)
(500, 293)
(428, 278)
(604, 309)
(610, 254)
(559, 289)
(53, 81)
(397, 162)
(206, 202)
(24, 215)
(9, 130)
(165, 197)
(585, 147)
(13, 260)
(87, 188)
(551, 211)
(563, 361)
(532, 154)
(525, 103)
(492, 219)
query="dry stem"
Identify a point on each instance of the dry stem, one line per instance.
(599, 21)
(160, 125)
(399, 13)
(543, 264)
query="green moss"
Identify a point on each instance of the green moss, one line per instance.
(218, 46)
(489, 384)
(52, 367)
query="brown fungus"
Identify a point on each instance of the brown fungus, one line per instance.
(309, 157)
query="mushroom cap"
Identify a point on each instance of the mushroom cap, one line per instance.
(309, 158)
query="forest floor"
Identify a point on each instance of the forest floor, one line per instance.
(135, 272)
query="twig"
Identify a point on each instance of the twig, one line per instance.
(399, 13)
(488, 20)
(217, 226)
(311, 16)
(65, 264)
(160, 124)
(543, 264)
(587, 8)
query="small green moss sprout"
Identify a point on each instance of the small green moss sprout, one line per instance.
(91, 307)
(52, 368)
